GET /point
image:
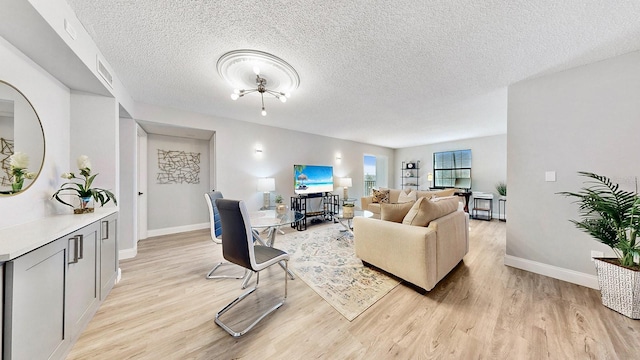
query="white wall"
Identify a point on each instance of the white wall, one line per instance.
(488, 162)
(583, 119)
(51, 101)
(238, 166)
(94, 132)
(180, 204)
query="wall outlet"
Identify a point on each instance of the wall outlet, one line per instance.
(595, 254)
(550, 176)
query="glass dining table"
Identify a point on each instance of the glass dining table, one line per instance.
(270, 221)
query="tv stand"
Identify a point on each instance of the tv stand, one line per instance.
(329, 207)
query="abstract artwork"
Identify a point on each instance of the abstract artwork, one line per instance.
(176, 167)
(6, 150)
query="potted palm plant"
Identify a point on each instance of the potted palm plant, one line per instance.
(612, 216)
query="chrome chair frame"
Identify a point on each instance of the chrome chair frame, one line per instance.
(238, 247)
(235, 302)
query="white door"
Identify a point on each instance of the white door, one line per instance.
(142, 183)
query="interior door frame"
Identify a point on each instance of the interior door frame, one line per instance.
(142, 177)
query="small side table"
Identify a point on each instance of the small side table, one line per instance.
(502, 215)
(348, 201)
(466, 195)
(483, 205)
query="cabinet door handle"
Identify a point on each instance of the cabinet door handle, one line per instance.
(105, 225)
(81, 240)
(74, 241)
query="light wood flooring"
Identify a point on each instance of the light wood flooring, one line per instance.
(164, 308)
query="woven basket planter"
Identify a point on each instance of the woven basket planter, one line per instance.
(619, 287)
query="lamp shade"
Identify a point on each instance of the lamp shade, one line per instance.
(345, 182)
(267, 184)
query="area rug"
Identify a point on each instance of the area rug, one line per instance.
(330, 267)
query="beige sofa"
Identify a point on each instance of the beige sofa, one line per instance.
(368, 204)
(421, 255)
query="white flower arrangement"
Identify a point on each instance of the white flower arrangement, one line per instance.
(19, 162)
(83, 188)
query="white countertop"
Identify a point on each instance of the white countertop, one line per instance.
(21, 239)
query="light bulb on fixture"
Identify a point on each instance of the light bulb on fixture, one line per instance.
(282, 99)
(256, 70)
(264, 112)
(234, 96)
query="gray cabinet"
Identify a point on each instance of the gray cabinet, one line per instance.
(108, 254)
(52, 292)
(83, 292)
(34, 319)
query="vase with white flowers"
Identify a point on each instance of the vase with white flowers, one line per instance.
(18, 163)
(80, 186)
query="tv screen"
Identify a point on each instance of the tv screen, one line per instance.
(310, 179)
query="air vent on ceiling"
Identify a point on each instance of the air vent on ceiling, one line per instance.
(106, 75)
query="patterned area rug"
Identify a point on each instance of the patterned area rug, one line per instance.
(330, 267)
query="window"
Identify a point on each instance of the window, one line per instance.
(452, 169)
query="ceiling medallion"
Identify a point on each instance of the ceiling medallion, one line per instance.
(258, 72)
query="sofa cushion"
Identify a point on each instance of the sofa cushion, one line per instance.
(394, 212)
(380, 196)
(405, 198)
(435, 193)
(445, 192)
(425, 210)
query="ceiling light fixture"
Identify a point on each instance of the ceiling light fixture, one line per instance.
(262, 88)
(239, 66)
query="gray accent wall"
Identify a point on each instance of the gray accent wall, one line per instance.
(488, 162)
(176, 204)
(583, 119)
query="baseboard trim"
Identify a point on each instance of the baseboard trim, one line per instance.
(177, 229)
(127, 254)
(555, 272)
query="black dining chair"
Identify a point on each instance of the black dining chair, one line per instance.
(216, 234)
(238, 247)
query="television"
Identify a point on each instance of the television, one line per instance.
(311, 179)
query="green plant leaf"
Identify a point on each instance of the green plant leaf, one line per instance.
(609, 214)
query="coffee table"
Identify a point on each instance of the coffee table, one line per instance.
(347, 223)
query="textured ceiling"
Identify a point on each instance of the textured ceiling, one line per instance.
(391, 73)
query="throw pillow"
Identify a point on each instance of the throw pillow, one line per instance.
(424, 211)
(394, 212)
(405, 198)
(380, 196)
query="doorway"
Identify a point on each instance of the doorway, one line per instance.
(375, 172)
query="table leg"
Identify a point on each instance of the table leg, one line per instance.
(272, 238)
(347, 228)
(245, 282)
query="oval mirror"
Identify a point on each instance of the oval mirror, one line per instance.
(21, 141)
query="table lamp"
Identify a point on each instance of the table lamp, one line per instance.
(266, 185)
(346, 184)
